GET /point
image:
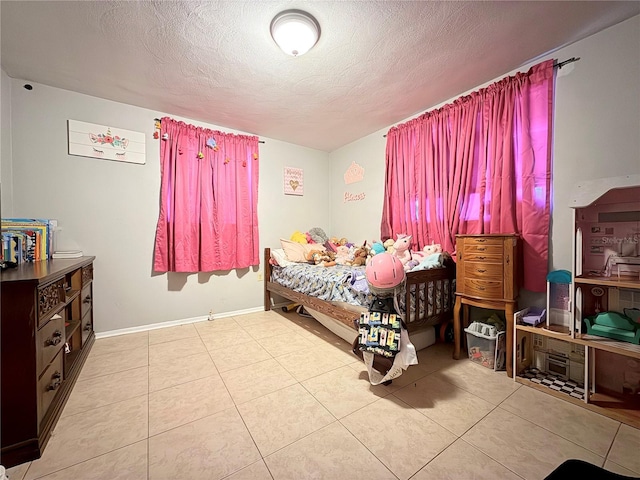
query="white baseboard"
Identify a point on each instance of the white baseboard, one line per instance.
(174, 323)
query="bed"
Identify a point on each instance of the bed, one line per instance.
(427, 300)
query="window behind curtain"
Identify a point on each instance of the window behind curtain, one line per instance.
(481, 164)
(208, 200)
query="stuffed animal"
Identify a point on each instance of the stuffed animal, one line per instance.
(433, 248)
(299, 237)
(318, 235)
(343, 255)
(359, 257)
(317, 257)
(377, 248)
(401, 248)
(388, 245)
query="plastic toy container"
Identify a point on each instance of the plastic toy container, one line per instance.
(486, 345)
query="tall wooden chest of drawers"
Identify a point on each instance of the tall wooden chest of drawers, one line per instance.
(488, 275)
(47, 333)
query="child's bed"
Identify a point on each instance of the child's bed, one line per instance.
(336, 292)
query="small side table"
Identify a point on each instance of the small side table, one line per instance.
(487, 276)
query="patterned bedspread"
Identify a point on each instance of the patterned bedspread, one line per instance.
(338, 283)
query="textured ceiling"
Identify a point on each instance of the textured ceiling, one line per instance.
(377, 62)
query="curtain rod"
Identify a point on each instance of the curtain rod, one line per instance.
(157, 120)
(555, 65)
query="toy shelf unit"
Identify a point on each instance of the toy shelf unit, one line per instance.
(606, 287)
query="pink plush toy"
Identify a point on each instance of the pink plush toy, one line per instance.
(401, 248)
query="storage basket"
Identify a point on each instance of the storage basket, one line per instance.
(486, 345)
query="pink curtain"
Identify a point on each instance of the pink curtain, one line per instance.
(481, 164)
(208, 200)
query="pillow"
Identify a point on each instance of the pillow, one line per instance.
(296, 252)
(280, 257)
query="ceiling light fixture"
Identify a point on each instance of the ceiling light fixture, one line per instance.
(295, 31)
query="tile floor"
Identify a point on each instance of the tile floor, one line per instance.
(277, 396)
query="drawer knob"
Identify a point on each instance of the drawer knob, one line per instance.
(480, 288)
(481, 249)
(482, 240)
(480, 258)
(55, 339)
(56, 377)
(481, 270)
(87, 327)
(87, 299)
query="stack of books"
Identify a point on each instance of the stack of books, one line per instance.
(27, 239)
(67, 254)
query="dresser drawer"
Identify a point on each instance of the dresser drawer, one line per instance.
(49, 384)
(50, 297)
(483, 241)
(87, 299)
(87, 326)
(87, 274)
(488, 250)
(50, 340)
(484, 270)
(487, 289)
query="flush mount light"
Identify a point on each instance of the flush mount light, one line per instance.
(295, 31)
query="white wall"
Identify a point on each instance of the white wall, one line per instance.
(596, 134)
(6, 191)
(110, 209)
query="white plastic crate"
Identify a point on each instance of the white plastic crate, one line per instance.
(486, 345)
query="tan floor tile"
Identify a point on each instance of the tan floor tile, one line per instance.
(305, 364)
(285, 343)
(169, 334)
(256, 317)
(175, 406)
(329, 453)
(280, 418)
(175, 371)
(615, 468)
(253, 381)
(453, 408)
(412, 440)
(119, 343)
(236, 356)
(107, 389)
(127, 463)
(225, 339)
(207, 449)
(462, 460)
(80, 437)
(226, 323)
(255, 471)
(185, 347)
(579, 425)
(18, 472)
(436, 357)
(269, 328)
(344, 390)
(491, 386)
(517, 444)
(624, 450)
(114, 362)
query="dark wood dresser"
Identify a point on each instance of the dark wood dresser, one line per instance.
(488, 275)
(47, 333)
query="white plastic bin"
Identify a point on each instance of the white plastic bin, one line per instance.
(486, 345)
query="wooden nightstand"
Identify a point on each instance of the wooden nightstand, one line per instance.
(487, 276)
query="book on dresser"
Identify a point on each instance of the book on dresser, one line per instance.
(47, 333)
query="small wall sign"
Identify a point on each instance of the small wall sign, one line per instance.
(106, 143)
(293, 181)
